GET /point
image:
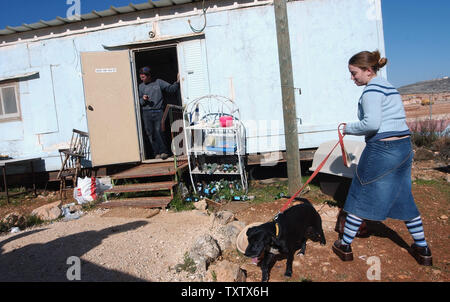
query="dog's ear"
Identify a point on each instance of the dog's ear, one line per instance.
(267, 239)
(251, 231)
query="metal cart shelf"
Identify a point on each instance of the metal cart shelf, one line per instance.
(206, 137)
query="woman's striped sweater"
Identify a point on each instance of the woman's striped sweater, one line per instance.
(380, 112)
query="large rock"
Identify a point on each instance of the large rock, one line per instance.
(223, 217)
(201, 205)
(204, 251)
(225, 271)
(234, 228)
(49, 211)
(231, 232)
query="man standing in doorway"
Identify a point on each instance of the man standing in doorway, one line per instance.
(152, 104)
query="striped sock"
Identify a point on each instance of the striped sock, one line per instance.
(415, 228)
(352, 224)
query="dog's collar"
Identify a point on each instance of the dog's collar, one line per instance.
(277, 225)
(277, 229)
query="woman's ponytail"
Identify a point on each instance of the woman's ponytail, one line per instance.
(368, 59)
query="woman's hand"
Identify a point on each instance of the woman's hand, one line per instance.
(341, 127)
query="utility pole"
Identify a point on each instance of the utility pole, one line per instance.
(287, 90)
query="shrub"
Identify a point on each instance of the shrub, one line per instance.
(178, 204)
(25, 222)
(442, 145)
(188, 265)
(425, 133)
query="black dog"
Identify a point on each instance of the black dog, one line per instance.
(287, 233)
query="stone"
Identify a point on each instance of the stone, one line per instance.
(224, 217)
(75, 208)
(201, 205)
(232, 230)
(48, 212)
(204, 251)
(225, 271)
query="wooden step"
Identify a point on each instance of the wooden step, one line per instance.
(143, 187)
(147, 170)
(143, 202)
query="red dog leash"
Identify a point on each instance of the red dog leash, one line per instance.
(345, 158)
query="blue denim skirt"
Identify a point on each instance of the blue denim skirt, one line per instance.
(381, 187)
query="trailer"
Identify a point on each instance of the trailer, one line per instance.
(82, 72)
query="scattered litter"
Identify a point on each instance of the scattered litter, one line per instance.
(89, 188)
(280, 195)
(67, 213)
(305, 190)
(15, 230)
(70, 216)
(67, 205)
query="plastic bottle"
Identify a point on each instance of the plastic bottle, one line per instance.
(197, 133)
(213, 169)
(196, 117)
(199, 187)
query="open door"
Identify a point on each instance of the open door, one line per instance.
(110, 107)
(193, 69)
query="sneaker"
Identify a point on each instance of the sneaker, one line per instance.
(344, 251)
(158, 156)
(422, 254)
(164, 156)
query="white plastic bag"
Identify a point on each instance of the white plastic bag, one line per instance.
(86, 190)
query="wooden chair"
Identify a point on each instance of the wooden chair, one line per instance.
(71, 159)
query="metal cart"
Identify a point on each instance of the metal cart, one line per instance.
(215, 138)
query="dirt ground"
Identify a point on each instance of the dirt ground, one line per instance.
(133, 245)
(387, 243)
(437, 111)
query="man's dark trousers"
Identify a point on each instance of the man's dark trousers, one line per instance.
(152, 125)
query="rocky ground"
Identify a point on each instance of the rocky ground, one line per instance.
(144, 245)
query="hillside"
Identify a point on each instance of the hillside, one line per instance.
(432, 86)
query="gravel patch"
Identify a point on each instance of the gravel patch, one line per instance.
(109, 248)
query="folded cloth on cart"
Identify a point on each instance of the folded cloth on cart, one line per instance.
(222, 148)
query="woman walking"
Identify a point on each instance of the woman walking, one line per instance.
(381, 187)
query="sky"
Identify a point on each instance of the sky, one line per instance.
(416, 32)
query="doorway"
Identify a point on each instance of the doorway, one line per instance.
(163, 63)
